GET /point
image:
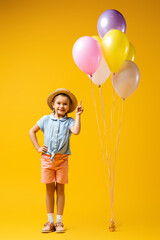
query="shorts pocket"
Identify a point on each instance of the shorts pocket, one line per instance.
(45, 161)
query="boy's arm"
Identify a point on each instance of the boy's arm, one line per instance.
(32, 134)
(75, 129)
(33, 137)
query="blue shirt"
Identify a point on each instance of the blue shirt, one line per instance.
(56, 133)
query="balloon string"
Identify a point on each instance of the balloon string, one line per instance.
(116, 150)
(100, 135)
(105, 132)
(110, 163)
(112, 135)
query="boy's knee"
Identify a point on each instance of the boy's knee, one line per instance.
(60, 188)
(50, 188)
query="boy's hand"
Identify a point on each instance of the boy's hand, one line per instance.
(43, 149)
(79, 109)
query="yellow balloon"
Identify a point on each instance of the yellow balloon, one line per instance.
(131, 53)
(115, 46)
(98, 39)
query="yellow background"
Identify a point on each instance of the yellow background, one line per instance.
(35, 59)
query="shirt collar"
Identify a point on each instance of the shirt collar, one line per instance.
(61, 119)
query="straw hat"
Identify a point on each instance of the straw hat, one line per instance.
(67, 92)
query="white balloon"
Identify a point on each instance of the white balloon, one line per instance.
(102, 73)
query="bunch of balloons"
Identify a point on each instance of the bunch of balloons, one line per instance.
(109, 53)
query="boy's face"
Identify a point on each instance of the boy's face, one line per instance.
(61, 105)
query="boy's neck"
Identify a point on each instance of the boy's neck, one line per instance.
(58, 116)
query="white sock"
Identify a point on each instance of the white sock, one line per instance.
(59, 218)
(50, 217)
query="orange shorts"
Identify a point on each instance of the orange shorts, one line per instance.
(56, 171)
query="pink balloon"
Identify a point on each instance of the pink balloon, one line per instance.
(87, 54)
(126, 80)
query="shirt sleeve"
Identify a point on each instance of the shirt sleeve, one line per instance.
(71, 123)
(40, 122)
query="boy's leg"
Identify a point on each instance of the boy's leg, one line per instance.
(60, 206)
(49, 226)
(60, 198)
(50, 190)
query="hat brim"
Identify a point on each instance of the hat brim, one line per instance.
(73, 105)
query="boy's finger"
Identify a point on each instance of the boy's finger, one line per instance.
(80, 102)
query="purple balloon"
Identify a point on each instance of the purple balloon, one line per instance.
(110, 19)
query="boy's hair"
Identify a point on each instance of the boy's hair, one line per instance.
(62, 94)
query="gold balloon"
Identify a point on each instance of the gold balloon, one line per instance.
(131, 53)
(99, 40)
(115, 46)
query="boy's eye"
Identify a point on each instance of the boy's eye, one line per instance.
(59, 103)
